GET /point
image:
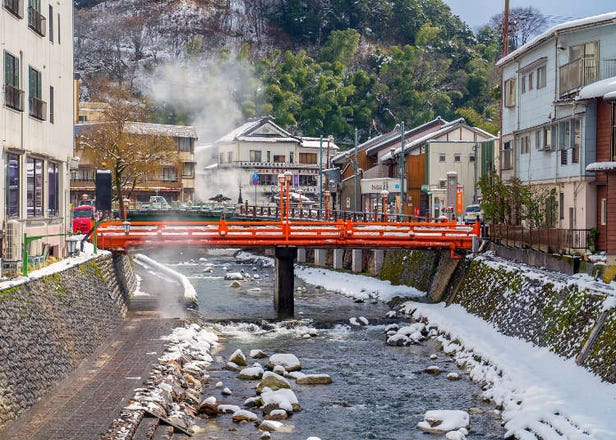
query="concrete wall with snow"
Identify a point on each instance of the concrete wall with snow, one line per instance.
(50, 324)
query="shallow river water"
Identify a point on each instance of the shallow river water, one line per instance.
(378, 391)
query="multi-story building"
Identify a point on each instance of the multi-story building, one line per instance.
(174, 180)
(253, 155)
(36, 123)
(549, 134)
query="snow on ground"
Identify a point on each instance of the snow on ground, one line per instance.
(189, 291)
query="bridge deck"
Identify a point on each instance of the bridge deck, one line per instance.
(339, 234)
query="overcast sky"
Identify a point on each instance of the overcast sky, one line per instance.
(476, 13)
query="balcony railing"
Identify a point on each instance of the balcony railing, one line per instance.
(38, 108)
(36, 21)
(15, 7)
(14, 97)
(581, 72)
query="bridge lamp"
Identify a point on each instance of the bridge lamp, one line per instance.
(288, 176)
(126, 226)
(301, 194)
(281, 182)
(327, 193)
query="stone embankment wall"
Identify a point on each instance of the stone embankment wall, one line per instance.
(49, 325)
(571, 315)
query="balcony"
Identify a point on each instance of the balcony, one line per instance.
(581, 72)
(36, 21)
(38, 108)
(15, 7)
(14, 97)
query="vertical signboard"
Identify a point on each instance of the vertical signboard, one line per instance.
(459, 199)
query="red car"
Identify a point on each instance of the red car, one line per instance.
(84, 217)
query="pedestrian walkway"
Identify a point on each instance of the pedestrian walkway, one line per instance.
(84, 404)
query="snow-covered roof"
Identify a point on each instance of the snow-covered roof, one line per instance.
(595, 20)
(601, 166)
(380, 141)
(258, 130)
(147, 128)
(312, 142)
(605, 88)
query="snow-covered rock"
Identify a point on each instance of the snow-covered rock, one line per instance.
(251, 373)
(257, 354)
(238, 358)
(244, 416)
(272, 381)
(443, 421)
(314, 379)
(283, 399)
(234, 276)
(289, 361)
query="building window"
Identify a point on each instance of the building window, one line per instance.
(185, 144)
(37, 105)
(442, 183)
(269, 156)
(524, 144)
(34, 187)
(530, 80)
(229, 156)
(523, 84)
(50, 15)
(13, 96)
(15, 7)
(255, 155)
(441, 157)
(12, 187)
(290, 157)
(563, 157)
(221, 157)
(278, 158)
(36, 21)
(564, 134)
(576, 140)
(188, 170)
(506, 156)
(471, 158)
(509, 89)
(170, 174)
(85, 174)
(457, 157)
(58, 26)
(51, 104)
(309, 158)
(53, 188)
(561, 206)
(603, 212)
(541, 81)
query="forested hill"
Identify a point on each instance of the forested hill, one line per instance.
(321, 67)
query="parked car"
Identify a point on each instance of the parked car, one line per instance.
(473, 213)
(84, 217)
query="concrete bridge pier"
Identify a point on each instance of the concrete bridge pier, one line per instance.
(285, 280)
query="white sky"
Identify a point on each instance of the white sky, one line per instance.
(478, 12)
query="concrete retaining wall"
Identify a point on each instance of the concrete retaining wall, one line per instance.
(49, 325)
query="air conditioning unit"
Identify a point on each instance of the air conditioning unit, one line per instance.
(14, 240)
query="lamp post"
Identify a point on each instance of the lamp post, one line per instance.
(288, 175)
(280, 193)
(401, 164)
(126, 226)
(327, 194)
(301, 195)
(384, 195)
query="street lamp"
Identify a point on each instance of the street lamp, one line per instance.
(288, 175)
(280, 192)
(300, 192)
(126, 226)
(384, 195)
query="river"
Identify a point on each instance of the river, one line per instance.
(378, 391)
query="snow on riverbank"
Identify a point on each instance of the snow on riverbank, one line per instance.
(536, 388)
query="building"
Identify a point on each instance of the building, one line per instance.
(251, 157)
(432, 153)
(36, 123)
(175, 180)
(549, 135)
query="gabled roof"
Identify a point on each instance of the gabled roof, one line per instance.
(258, 130)
(434, 135)
(147, 128)
(588, 22)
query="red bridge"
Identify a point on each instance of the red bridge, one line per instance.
(286, 237)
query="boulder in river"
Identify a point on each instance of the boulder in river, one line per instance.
(289, 361)
(314, 379)
(238, 357)
(443, 421)
(272, 381)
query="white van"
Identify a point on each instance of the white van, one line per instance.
(472, 214)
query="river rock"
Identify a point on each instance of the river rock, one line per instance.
(277, 414)
(272, 381)
(265, 435)
(233, 366)
(228, 409)
(235, 284)
(443, 421)
(253, 402)
(251, 373)
(257, 354)
(314, 379)
(234, 276)
(289, 361)
(239, 358)
(397, 340)
(270, 425)
(279, 369)
(226, 392)
(433, 369)
(283, 399)
(244, 416)
(209, 407)
(453, 376)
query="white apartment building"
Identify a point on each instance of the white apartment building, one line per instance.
(549, 134)
(36, 124)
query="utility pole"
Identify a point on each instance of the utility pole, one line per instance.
(506, 29)
(356, 171)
